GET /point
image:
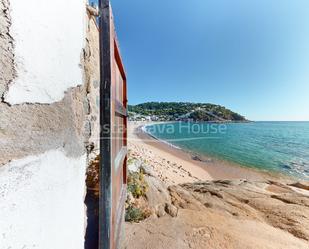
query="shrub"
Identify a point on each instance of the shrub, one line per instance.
(137, 184)
(134, 214)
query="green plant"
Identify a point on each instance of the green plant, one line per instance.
(137, 184)
(131, 160)
(134, 214)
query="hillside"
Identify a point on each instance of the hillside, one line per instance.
(170, 111)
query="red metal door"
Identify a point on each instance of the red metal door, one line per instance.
(119, 144)
(113, 145)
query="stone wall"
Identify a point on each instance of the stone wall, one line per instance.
(49, 121)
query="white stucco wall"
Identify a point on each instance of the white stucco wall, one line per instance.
(48, 39)
(41, 202)
(42, 188)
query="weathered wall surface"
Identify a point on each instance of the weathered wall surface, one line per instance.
(49, 123)
(28, 129)
(92, 83)
(6, 48)
(52, 32)
(41, 202)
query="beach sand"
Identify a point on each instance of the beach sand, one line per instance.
(212, 203)
(175, 166)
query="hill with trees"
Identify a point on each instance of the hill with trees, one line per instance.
(170, 111)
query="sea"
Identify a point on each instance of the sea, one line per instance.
(272, 146)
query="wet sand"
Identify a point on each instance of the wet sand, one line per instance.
(176, 166)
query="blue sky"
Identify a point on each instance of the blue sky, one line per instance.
(250, 56)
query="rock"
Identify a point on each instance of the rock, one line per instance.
(148, 170)
(130, 198)
(171, 210)
(234, 214)
(134, 166)
(196, 158)
(301, 185)
(160, 210)
(157, 192)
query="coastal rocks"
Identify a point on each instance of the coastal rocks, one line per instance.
(160, 211)
(301, 185)
(148, 170)
(130, 199)
(231, 214)
(201, 159)
(279, 206)
(171, 210)
(158, 197)
(134, 166)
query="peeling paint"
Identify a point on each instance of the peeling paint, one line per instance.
(7, 64)
(30, 129)
(48, 46)
(49, 131)
(71, 123)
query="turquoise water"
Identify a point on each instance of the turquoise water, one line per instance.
(276, 146)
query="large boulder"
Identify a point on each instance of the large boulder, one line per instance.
(158, 196)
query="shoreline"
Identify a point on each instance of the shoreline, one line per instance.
(194, 204)
(201, 167)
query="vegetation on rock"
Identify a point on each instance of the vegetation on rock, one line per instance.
(136, 205)
(134, 214)
(183, 111)
(136, 184)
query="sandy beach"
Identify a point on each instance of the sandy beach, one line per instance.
(211, 203)
(175, 166)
